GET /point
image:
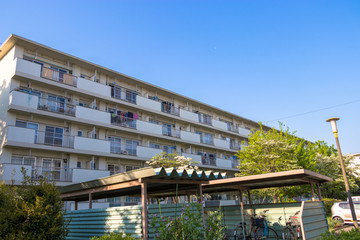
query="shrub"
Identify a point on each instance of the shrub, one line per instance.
(353, 234)
(333, 223)
(329, 202)
(31, 211)
(114, 236)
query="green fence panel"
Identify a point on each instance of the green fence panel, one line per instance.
(314, 220)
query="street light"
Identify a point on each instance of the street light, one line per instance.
(335, 131)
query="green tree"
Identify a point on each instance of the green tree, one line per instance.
(31, 211)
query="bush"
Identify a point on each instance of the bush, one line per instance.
(329, 202)
(114, 236)
(353, 234)
(31, 211)
(334, 223)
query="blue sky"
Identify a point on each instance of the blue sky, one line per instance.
(264, 60)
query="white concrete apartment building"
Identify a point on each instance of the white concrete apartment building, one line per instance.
(77, 121)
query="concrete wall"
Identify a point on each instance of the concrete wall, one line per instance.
(244, 132)
(24, 99)
(223, 163)
(148, 103)
(91, 144)
(149, 127)
(92, 114)
(196, 158)
(94, 87)
(10, 172)
(219, 124)
(221, 143)
(27, 67)
(83, 175)
(189, 115)
(189, 136)
(18, 134)
(147, 152)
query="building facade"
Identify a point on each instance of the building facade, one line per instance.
(77, 121)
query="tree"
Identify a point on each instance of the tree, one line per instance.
(31, 211)
(280, 150)
(168, 160)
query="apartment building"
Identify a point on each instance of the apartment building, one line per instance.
(77, 121)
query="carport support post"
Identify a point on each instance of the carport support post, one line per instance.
(90, 200)
(319, 191)
(201, 201)
(144, 210)
(242, 207)
(312, 192)
(250, 204)
(76, 205)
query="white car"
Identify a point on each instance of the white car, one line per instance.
(341, 211)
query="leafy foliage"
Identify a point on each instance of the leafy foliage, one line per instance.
(353, 234)
(31, 211)
(168, 160)
(280, 150)
(114, 236)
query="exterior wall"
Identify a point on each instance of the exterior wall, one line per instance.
(244, 132)
(93, 87)
(92, 114)
(223, 163)
(91, 144)
(219, 124)
(148, 103)
(148, 127)
(82, 175)
(12, 172)
(19, 134)
(24, 99)
(196, 158)
(189, 115)
(189, 136)
(221, 143)
(147, 152)
(27, 67)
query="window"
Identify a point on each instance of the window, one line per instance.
(59, 73)
(51, 167)
(130, 96)
(80, 133)
(169, 149)
(54, 135)
(78, 164)
(114, 169)
(130, 146)
(115, 145)
(166, 129)
(130, 168)
(208, 138)
(23, 160)
(154, 145)
(204, 118)
(55, 103)
(116, 92)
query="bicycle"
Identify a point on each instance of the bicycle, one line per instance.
(292, 228)
(258, 229)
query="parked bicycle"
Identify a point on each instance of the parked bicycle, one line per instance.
(258, 229)
(292, 230)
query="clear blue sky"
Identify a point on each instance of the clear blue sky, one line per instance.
(263, 60)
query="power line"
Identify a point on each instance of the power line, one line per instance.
(313, 111)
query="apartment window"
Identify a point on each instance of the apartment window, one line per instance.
(154, 145)
(55, 103)
(54, 135)
(80, 133)
(151, 120)
(30, 125)
(166, 129)
(169, 149)
(59, 73)
(114, 169)
(208, 138)
(116, 92)
(204, 118)
(78, 164)
(115, 144)
(130, 146)
(130, 96)
(51, 167)
(23, 160)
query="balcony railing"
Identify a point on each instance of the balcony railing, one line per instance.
(235, 146)
(52, 173)
(232, 128)
(209, 141)
(123, 148)
(58, 76)
(171, 110)
(123, 121)
(171, 132)
(54, 139)
(58, 106)
(209, 161)
(123, 94)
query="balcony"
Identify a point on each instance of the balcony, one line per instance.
(221, 143)
(18, 134)
(91, 144)
(194, 157)
(235, 146)
(92, 114)
(189, 136)
(24, 99)
(56, 105)
(124, 94)
(83, 175)
(220, 124)
(171, 132)
(225, 163)
(27, 67)
(244, 132)
(149, 127)
(147, 152)
(189, 115)
(94, 87)
(123, 121)
(209, 161)
(232, 128)
(12, 172)
(170, 108)
(148, 103)
(129, 147)
(56, 174)
(58, 76)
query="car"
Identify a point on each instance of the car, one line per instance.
(341, 212)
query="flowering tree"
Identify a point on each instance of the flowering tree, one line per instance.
(168, 160)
